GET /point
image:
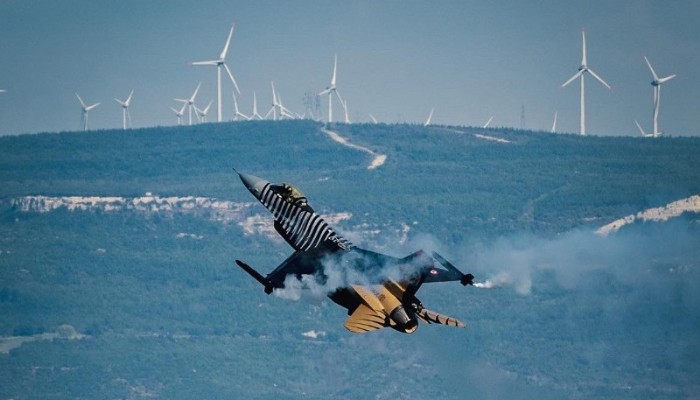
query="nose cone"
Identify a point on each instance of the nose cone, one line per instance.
(253, 183)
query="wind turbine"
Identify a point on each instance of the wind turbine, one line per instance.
(554, 124)
(86, 109)
(430, 117)
(202, 114)
(580, 74)
(179, 113)
(284, 111)
(277, 108)
(219, 63)
(125, 109)
(273, 109)
(190, 102)
(237, 113)
(255, 114)
(656, 83)
(332, 89)
(486, 125)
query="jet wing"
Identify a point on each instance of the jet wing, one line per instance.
(302, 228)
(365, 319)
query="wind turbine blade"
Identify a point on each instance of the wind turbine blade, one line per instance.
(80, 100)
(373, 119)
(230, 75)
(576, 75)
(666, 79)
(325, 92)
(211, 62)
(206, 109)
(345, 108)
(653, 73)
(486, 125)
(335, 66)
(228, 41)
(123, 104)
(182, 100)
(88, 108)
(195, 93)
(599, 78)
(128, 99)
(430, 117)
(640, 128)
(554, 124)
(175, 111)
(235, 103)
(337, 93)
(583, 48)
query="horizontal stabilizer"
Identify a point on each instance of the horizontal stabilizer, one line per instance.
(431, 317)
(464, 279)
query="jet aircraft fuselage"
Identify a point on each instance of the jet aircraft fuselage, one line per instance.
(377, 290)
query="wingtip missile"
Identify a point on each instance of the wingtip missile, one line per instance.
(255, 274)
(467, 279)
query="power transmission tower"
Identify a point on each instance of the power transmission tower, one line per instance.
(312, 104)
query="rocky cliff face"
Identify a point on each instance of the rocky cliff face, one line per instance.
(244, 214)
(218, 210)
(659, 214)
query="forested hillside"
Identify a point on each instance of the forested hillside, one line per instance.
(455, 178)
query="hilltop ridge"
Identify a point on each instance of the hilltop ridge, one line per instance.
(449, 178)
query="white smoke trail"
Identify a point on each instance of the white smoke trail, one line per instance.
(500, 280)
(342, 273)
(522, 285)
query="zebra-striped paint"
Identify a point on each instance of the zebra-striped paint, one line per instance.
(303, 230)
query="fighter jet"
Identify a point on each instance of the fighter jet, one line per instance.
(385, 297)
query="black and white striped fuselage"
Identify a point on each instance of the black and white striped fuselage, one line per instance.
(302, 229)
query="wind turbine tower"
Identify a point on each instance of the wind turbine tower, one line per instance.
(125, 109)
(581, 74)
(219, 63)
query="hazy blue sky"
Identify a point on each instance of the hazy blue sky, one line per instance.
(396, 60)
